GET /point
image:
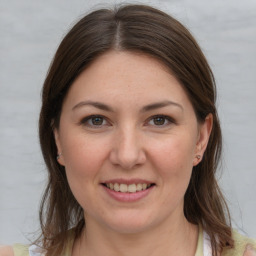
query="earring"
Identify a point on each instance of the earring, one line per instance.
(198, 157)
(58, 156)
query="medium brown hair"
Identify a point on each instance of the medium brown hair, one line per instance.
(134, 28)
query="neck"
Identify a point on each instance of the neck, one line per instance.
(177, 239)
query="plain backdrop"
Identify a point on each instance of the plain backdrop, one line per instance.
(30, 32)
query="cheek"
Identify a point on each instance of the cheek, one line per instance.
(174, 156)
(83, 156)
(173, 161)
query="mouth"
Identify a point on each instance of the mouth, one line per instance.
(128, 188)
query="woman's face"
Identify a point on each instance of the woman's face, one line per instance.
(129, 138)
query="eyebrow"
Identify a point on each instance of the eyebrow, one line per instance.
(161, 105)
(146, 108)
(95, 104)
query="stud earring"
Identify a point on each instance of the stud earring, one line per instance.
(198, 157)
(58, 156)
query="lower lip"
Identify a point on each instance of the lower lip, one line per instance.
(128, 197)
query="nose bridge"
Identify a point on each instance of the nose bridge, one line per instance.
(128, 150)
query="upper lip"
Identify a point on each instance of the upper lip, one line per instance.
(127, 181)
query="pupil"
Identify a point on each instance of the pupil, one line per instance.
(97, 120)
(159, 120)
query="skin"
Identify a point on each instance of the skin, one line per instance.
(249, 251)
(6, 251)
(130, 143)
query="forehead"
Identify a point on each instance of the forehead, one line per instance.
(126, 77)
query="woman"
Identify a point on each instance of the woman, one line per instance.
(131, 139)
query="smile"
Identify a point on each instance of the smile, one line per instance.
(125, 188)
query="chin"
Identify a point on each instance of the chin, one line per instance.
(130, 225)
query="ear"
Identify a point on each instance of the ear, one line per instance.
(204, 133)
(59, 157)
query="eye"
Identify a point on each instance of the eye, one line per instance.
(95, 121)
(160, 120)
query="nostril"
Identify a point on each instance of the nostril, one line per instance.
(127, 155)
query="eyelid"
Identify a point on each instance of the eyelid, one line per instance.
(168, 118)
(84, 121)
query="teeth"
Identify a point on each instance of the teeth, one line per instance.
(132, 188)
(116, 187)
(139, 187)
(124, 188)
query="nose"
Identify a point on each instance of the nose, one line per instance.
(127, 150)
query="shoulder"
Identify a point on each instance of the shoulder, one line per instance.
(243, 246)
(250, 250)
(15, 250)
(6, 251)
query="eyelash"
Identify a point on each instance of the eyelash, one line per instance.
(85, 121)
(169, 119)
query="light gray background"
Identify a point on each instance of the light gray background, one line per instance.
(30, 32)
